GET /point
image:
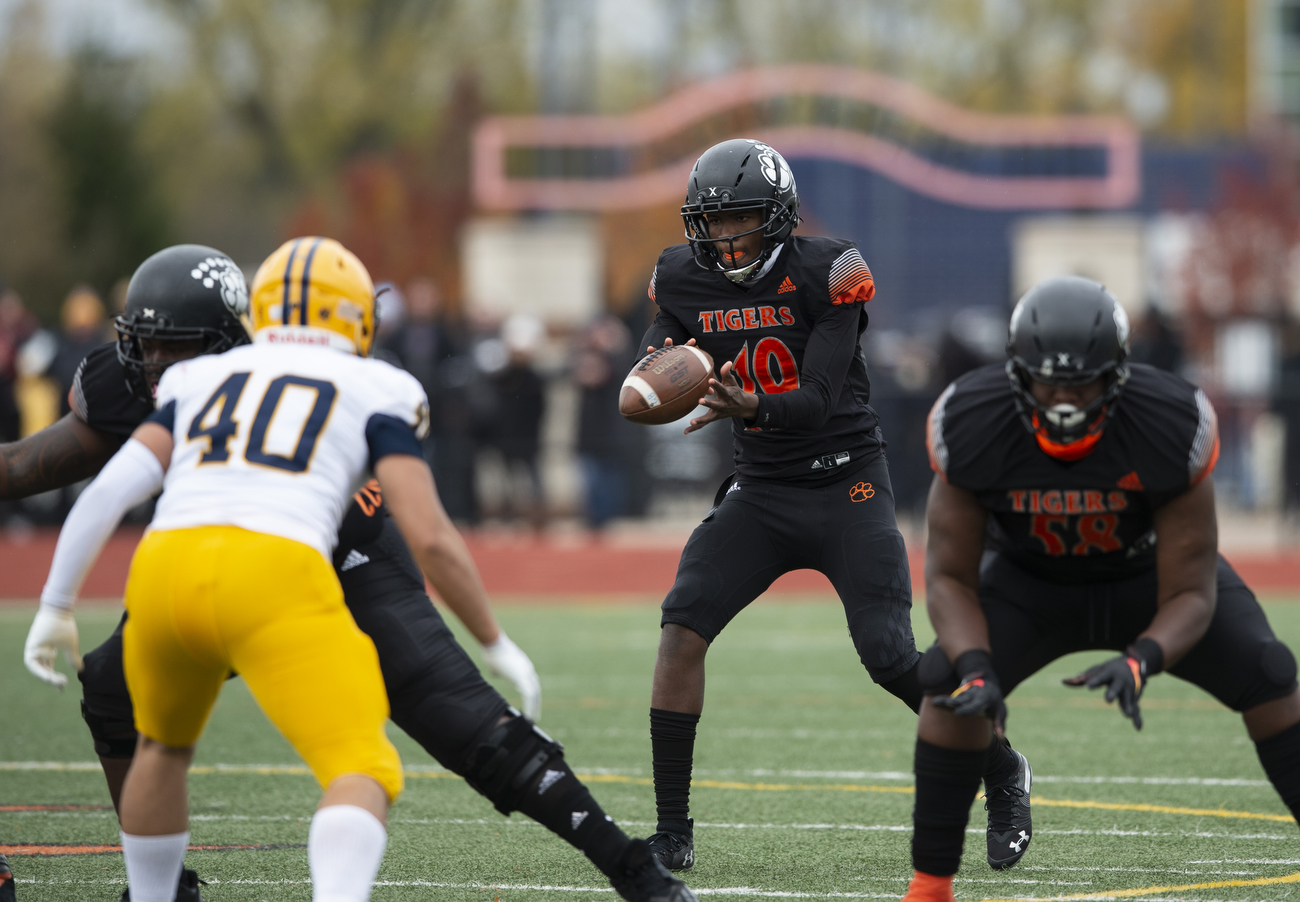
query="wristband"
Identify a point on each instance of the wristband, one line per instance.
(976, 662)
(1149, 652)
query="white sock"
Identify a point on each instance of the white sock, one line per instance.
(153, 865)
(344, 847)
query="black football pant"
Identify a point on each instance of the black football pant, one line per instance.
(1033, 622)
(845, 529)
(757, 531)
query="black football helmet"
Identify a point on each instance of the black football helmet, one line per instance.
(187, 292)
(1067, 331)
(740, 174)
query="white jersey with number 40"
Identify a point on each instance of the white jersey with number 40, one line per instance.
(273, 439)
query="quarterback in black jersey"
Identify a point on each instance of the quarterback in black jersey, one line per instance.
(436, 693)
(811, 487)
(1072, 509)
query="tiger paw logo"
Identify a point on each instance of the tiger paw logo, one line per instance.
(861, 492)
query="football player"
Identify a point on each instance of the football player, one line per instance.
(436, 693)
(1073, 508)
(811, 487)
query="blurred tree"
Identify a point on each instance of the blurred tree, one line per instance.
(333, 114)
(30, 224)
(114, 215)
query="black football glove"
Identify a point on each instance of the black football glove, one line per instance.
(979, 692)
(1125, 676)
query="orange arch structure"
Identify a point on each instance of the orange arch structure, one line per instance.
(496, 138)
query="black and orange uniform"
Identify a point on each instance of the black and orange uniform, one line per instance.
(436, 693)
(811, 488)
(1070, 559)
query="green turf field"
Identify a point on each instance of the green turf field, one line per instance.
(802, 770)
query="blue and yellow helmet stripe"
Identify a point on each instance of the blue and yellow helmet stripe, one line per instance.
(313, 290)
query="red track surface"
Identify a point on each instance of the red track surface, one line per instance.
(521, 566)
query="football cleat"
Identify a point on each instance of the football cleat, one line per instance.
(674, 851)
(642, 877)
(186, 891)
(1010, 827)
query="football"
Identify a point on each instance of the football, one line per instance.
(666, 385)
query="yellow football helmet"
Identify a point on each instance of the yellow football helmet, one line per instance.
(314, 291)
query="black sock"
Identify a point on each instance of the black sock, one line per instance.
(1280, 756)
(558, 800)
(946, 783)
(672, 744)
(1002, 763)
(907, 687)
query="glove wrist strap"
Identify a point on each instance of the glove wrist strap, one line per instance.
(1149, 652)
(975, 662)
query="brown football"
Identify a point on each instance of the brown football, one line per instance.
(665, 385)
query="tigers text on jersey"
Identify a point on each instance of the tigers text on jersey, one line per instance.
(1088, 520)
(792, 336)
(275, 439)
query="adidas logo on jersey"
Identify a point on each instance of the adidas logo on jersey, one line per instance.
(787, 285)
(354, 559)
(577, 818)
(1131, 482)
(549, 779)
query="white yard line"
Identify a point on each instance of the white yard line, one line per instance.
(297, 769)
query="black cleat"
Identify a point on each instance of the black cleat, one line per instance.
(674, 851)
(186, 891)
(1010, 827)
(643, 878)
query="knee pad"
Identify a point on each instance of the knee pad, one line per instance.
(935, 672)
(503, 765)
(106, 703)
(1278, 664)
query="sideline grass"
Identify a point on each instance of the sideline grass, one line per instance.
(788, 706)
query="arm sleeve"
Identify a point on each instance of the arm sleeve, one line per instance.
(387, 435)
(665, 325)
(132, 476)
(826, 360)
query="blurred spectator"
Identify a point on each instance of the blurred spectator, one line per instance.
(1157, 343)
(604, 349)
(516, 430)
(390, 311)
(1286, 403)
(420, 339)
(17, 325)
(84, 329)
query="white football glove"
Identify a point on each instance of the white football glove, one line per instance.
(508, 660)
(52, 630)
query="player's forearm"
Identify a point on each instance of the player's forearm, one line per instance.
(826, 365)
(59, 455)
(664, 326)
(131, 477)
(454, 576)
(955, 613)
(1180, 623)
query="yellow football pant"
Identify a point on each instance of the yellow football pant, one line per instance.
(205, 601)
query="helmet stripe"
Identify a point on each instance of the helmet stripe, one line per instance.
(306, 282)
(288, 282)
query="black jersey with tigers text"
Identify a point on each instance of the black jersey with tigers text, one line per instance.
(792, 335)
(1089, 520)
